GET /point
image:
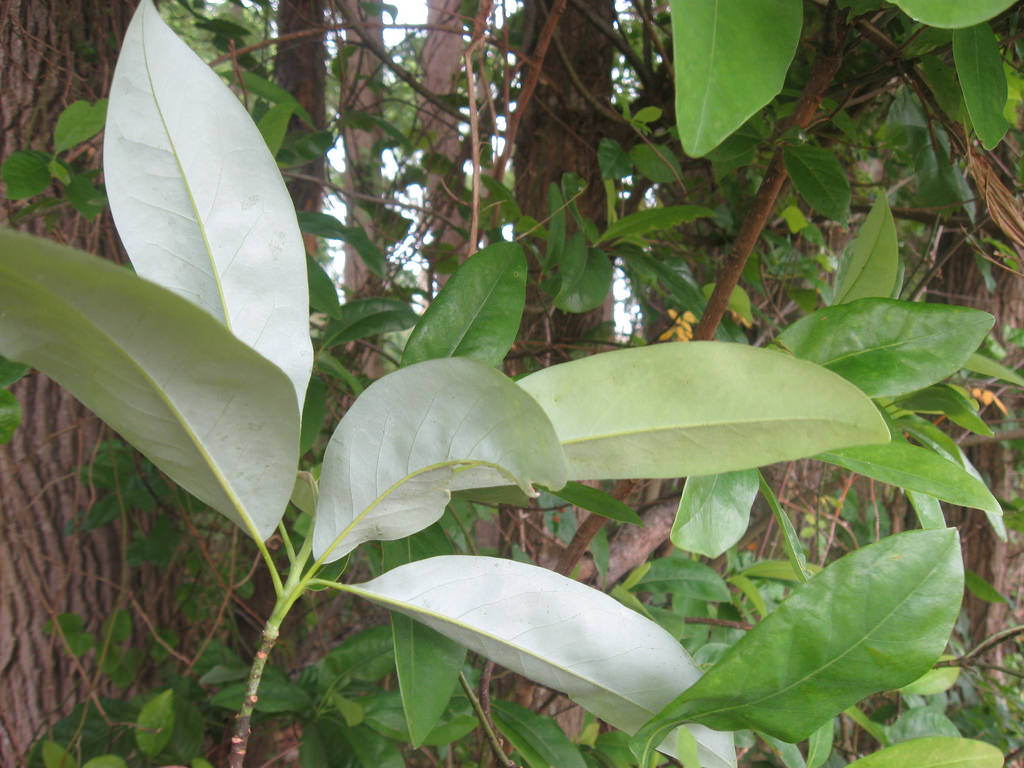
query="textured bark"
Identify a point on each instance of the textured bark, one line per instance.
(51, 53)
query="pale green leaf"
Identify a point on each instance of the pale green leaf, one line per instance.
(870, 266)
(731, 59)
(55, 756)
(819, 745)
(953, 14)
(553, 630)
(106, 761)
(215, 416)
(198, 200)
(155, 724)
(826, 647)
(79, 122)
(986, 366)
(672, 410)
(419, 433)
(714, 511)
(979, 66)
(934, 752)
(933, 681)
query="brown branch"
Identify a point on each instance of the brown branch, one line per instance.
(771, 186)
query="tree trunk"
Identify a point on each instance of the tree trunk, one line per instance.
(51, 53)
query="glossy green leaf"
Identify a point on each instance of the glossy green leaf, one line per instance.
(826, 647)
(155, 724)
(927, 508)
(820, 180)
(427, 662)
(714, 511)
(870, 266)
(934, 752)
(909, 466)
(597, 501)
(198, 200)
(25, 173)
(979, 66)
(368, 317)
(638, 224)
(731, 59)
(790, 541)
(540, 740)
(553, 630)
(215, 416)
(952, 402)
(477, 313)
(10, 416)
(416, 435)
(888, 347)
(986, 366)
(79, 122)
(590, 287)
(323, 294)
(953, 14)
(672, 410)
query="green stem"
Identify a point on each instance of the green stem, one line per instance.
(485, 722)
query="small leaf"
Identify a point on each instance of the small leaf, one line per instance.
(657, 162)
(55, 756)
(597, 501)
(313, 412)
(819, 746)
(909, 466)
(10, 415)
(26, 173)
(590, 287)
(986, 366)
(731, 59)
(10, 371)
(326, 226)
(934, 752)
(979, 65)
(714, 511)
(820, 180)
(198, 200)
(952, 402)
(79, 122)
(274, 124)
(368, 317)
(155, 724)
(477, 313)
(670, 410)
(106, 761)
(982, 589)
(609, 659)
(888, 347)
(323, 295)
(419, 433)
(686, 578)
(870, 266)
(933, 681)
(950, 14)
(826, 647)
(790, 541)
(638, 224)
(540, 740)
(613, 160)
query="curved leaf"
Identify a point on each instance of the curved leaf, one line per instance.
(820, 180)
(909, 466)
(551, 629)
(986, 366)
(731, 58)
(477, 313)
(671, 410)
(214, 415)
(198, 199)
(416, 435)
(979, 66)
(636, 225)
(888, 347)
(539, 739)
(714, 511)
(952, 14)
(870, 266)
(826, 647)
(934, 752)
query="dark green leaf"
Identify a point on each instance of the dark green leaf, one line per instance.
(614, 161)
(686, 578)
(477, 313)
(826, 647)
(657, 162)
(368, 317)
(10, 415)
(820, 180)
(953, 402)
(26, 174)
(326, 226)
(790, 541)
(313, 412)
(275, 696)
(365, 656)
(274, 124)
(888, 347)
(10, 371)
(79, 122)
(909, 466)
(979, 64)
(86, 199)
(982, 589)
(538, 739)
(942, 79)
(870, 266)
(638, 224)
(260, 86)
(155, 724)
(714, 511)
(597, 501)
(323, 295)
(590, 288)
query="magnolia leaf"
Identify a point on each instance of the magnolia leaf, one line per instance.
(888, 347)
(714, 511)
(918, 469)
(211, 413)
(870, 266)
(934, 752)
(199, 201)
(731, 59)
(826, 647)
(820, 180)
(953, 14)
(477, 312)
(553, 630)
(416, 435)
(670, 410)
(979, 67)
(539, 739)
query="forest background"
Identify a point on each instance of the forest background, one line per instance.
(546, 124)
